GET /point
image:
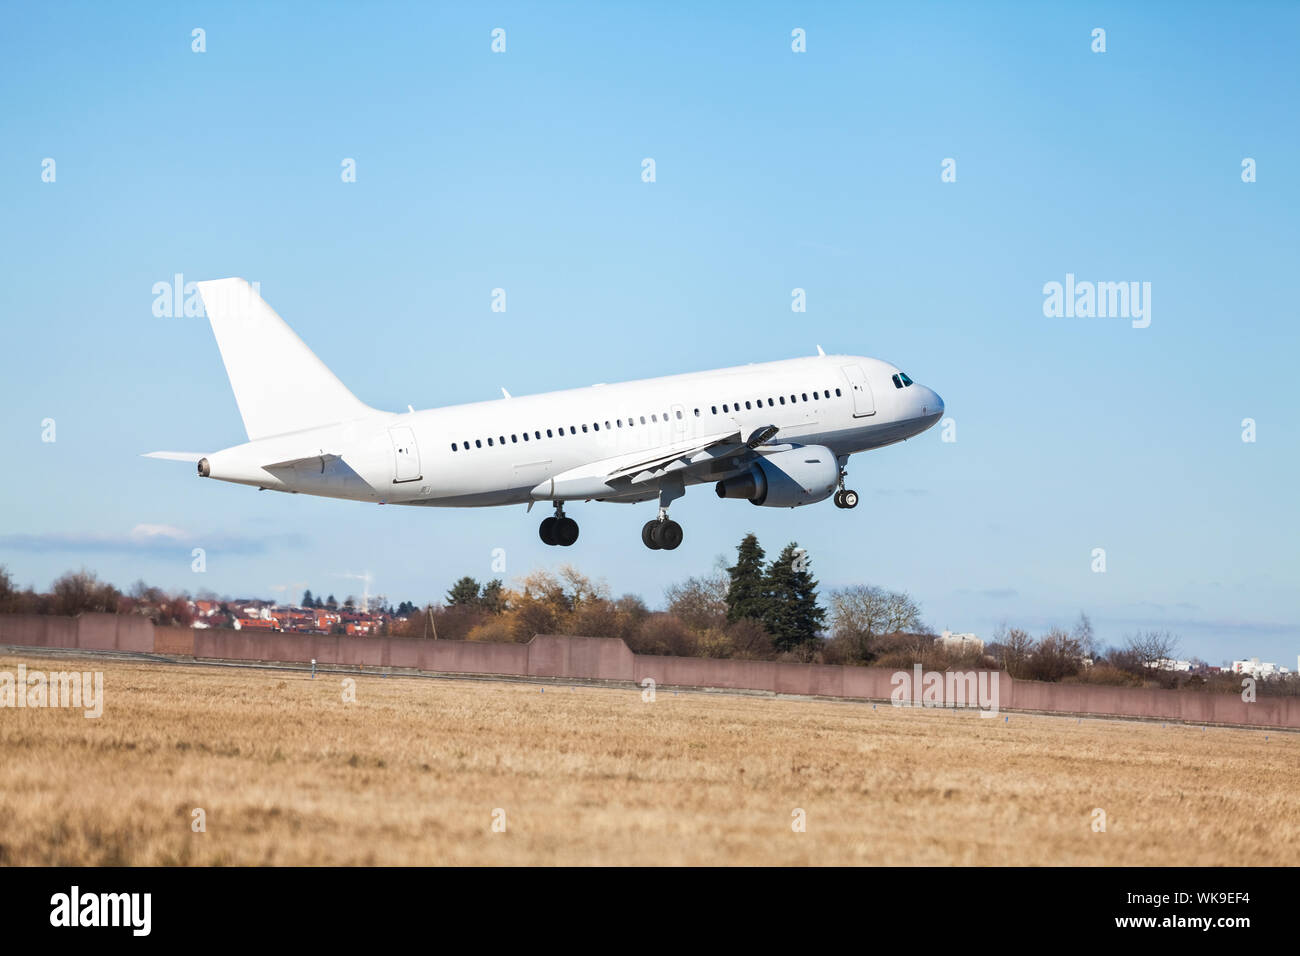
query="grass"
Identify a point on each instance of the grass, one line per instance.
(411, 773)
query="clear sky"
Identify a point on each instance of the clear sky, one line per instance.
(819, 170)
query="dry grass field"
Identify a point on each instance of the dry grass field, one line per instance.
(411, 773)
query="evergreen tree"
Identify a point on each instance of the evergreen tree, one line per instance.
(332, 604)
(493, 597)
(792, 616)
(464, 593)
(747, 593)
(307, 599)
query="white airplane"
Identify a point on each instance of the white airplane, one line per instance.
(778, 434)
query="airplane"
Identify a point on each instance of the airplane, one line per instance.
(777, 434)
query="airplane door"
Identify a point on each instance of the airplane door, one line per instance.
(406, 455)
(864, 403)
(679, 421)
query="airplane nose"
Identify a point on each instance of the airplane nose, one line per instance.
(931, 403)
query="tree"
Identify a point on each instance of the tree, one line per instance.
(332, 604)
(79, 591)
(863, 614)
(699, 602)
(793, 616)
(464, 593)
(746, 593)
(1083, 634)
(307, 599)
(1148, 648)
(8, 593)
(493, 598)
(1057, 655)
(1017, 649)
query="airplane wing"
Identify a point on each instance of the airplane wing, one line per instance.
(626, 474)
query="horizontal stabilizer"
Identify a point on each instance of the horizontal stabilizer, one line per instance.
(319, 461)
(191, 456)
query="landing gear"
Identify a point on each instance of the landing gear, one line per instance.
(559, 529)
(845, 498)
(661, 534)
(664, 534)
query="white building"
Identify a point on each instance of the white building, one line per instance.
(1254, 668)
(961, 642)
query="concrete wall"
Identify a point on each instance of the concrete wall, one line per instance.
(604, 659)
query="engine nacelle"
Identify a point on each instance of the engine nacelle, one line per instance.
(786, 479)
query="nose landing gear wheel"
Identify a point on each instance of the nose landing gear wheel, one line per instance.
(648, 535)
(848, 499)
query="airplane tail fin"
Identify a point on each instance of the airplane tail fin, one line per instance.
(279, 383)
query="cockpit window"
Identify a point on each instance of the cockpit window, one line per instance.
(906, 380)
(897, 383)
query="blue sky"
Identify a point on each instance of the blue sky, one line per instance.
(775, 170)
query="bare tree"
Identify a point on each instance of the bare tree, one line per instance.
(1149, 648)
(1016, 650)
(1057, 655)
(700, 602)
(862, 614)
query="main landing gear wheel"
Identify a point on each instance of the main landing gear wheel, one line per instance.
(664, 534)
(558, 530)
(846, 499)
(566, 532)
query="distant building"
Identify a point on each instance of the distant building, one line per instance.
(1254, 668)
(961, 642)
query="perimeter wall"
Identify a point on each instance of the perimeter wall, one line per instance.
(607, 659)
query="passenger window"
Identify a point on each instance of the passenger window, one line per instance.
(837, 393)
(584, 428)
(714, 408)
(478, 443)
(453, 446)
(782, 399)
(747, 405)
(503, 439)
(724, 407)
(537, 435)
(574, 431)
(814, 396)
(805, 396)
(770, 403)
(514, 439)
(548, 433)
(525, 436)
(489, 441)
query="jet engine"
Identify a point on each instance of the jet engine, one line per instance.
(786, 479)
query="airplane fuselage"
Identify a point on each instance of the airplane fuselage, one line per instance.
(506, 451)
